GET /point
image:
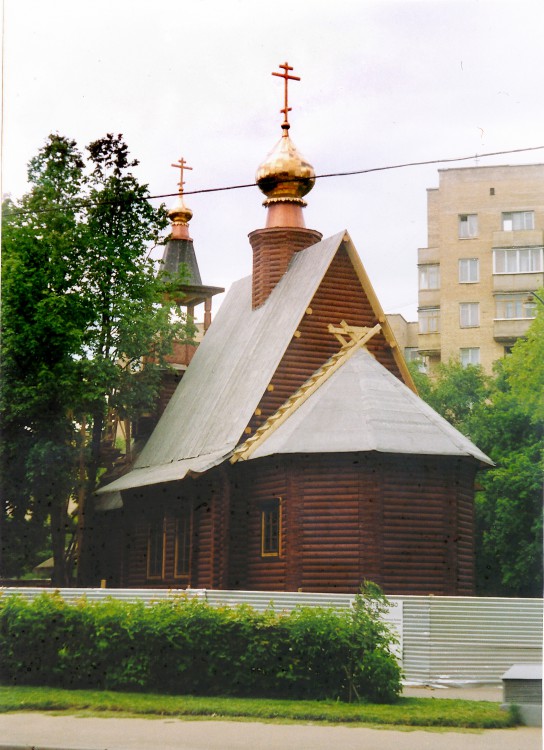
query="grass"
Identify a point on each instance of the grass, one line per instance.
(407, 712)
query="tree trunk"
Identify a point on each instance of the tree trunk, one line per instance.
(86, 551)
(58, 541)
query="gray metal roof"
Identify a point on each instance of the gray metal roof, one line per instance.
(364, 407)
(233, 366)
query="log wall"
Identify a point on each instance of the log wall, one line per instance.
(404, 522)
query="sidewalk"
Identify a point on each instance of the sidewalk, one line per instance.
(23, 731)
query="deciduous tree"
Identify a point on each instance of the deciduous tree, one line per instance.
(86, 325)
(503, 415)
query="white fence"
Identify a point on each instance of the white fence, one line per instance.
(448, 640)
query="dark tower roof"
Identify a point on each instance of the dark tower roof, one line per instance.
(180, 252)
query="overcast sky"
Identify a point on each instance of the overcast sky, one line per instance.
(384, 82)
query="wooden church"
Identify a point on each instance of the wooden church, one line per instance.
(295, 453)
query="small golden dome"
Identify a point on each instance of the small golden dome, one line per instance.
(285, 176)
(180, 213)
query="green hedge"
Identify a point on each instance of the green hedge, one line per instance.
(185, 646)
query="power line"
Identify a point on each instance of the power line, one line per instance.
(365, 171)
(369, 170)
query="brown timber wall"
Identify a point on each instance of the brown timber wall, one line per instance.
(404, 522)
(256, 485)
(423, 550)
(163, 502)
(465, 531)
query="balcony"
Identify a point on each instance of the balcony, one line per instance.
(428, 255)
(507, 331)
(519, 238)
(517, 282)
(431, 297)
(428, 343)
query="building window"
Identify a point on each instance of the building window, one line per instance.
(182, 554)
(469, 314)
(429, 320)
(468, 226)
(470, 356)
(155, 549)
(508, 306)
(513, 221)
(518, 260)
(271, 528)
(429, 276)
(469, 270)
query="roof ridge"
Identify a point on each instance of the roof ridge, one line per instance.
(358, 340)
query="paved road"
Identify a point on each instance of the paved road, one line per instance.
(40, 731)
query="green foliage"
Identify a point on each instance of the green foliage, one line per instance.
(86, 327)
(503, 415)
(372, 671)
(524, 368)
(455, 392)
(185, 646)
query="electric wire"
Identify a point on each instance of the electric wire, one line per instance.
(242, 186)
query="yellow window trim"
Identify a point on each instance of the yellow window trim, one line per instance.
(263, 529)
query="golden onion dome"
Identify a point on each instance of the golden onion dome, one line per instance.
(285, 176)
(180, 213)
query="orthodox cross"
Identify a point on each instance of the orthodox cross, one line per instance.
(286, 77)
(181, 164)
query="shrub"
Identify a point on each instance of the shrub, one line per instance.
(185, 646)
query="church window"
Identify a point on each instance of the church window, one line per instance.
(182, 556)
(271, 528)
(155, 549)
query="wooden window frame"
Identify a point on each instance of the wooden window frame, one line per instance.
(162, 523)
(267, 509)
(185, 516)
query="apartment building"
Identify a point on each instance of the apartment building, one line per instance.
(483, 260)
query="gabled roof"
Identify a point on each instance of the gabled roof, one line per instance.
(363, 407)
(234, 364)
